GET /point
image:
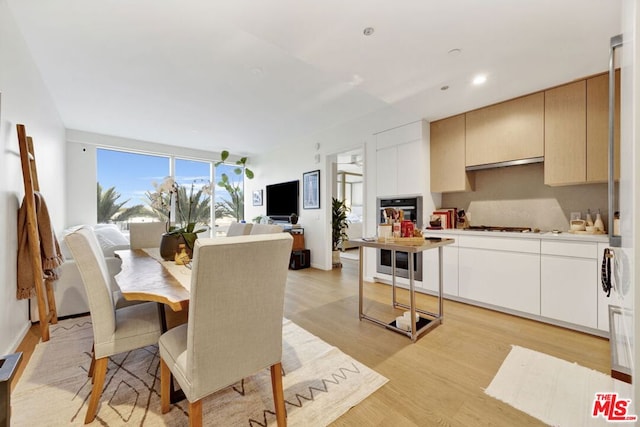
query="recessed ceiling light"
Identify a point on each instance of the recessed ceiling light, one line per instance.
(356, 79)
(479, 79)
(455, 52)
(256, 71)
(368, 31)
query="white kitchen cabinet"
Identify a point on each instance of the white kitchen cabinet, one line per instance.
(431, 266)
(401, 160)
(568, 287)
(501, 272)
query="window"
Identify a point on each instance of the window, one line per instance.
(125, 179)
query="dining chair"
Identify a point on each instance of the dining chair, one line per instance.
(266, 229)
(239, 229)
(235, 320)
(146, 234)
(115, 330)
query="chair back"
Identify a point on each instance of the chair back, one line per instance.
(146, 234)
(92, 266)
(236, 308)
(266, 229)
(239, 229)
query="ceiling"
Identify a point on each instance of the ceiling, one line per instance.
(252, 75)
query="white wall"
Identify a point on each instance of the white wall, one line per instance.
(298, 156)
(25, 100)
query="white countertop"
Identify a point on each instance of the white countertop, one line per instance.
(544, 235)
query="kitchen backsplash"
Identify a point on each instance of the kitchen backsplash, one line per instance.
(517, 197)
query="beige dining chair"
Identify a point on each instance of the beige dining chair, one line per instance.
(235, 320)
(266, 229)
(115, 330)
(239, 229)
(146, 234)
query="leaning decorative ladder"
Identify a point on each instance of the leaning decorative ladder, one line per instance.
(46, 308)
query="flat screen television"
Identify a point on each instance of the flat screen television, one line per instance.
(282, 200)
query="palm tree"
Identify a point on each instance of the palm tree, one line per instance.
(234, 206)
(110, 210)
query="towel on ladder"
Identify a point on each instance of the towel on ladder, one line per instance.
(49, 249)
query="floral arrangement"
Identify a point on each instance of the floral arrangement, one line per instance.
(189, 208)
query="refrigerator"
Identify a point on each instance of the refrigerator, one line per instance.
(619, 277)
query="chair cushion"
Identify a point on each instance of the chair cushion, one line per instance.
(173, 350)
(136, 326)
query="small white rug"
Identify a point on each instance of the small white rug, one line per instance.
(320, 384)
(553, 390)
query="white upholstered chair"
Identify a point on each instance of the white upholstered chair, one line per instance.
(114, 330)
(239, 229)
(235, 320)
(146, 234)
(266, 229)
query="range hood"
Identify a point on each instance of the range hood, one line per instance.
(505, 164)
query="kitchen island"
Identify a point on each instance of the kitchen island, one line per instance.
(409, 246)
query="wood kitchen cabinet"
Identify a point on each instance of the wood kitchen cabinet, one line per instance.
(577, 132)
(598, 128)
(511, 130)
(448, 156)
(565, 133)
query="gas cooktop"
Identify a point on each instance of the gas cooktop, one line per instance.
(498, 228)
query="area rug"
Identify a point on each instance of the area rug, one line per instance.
(320, 384)
(555, 391)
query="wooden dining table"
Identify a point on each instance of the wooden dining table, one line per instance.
(145, 276)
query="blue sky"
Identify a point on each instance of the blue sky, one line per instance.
(132, 174)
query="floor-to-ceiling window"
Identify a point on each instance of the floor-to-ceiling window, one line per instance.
(126, 180)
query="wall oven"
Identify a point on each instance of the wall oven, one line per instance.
(412, 210)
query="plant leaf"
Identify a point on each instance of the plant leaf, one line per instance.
(248, 173)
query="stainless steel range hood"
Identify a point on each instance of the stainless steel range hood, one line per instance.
(505, 164)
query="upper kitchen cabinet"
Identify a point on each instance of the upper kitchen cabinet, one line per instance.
(565, 133)
(447, 141)
(511, 130)
(576, 132)
(401, 160)
(598, 128)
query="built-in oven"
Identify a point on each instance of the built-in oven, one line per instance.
(411, 208)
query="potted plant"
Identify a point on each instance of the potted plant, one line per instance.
(339, 226)
(189, 211)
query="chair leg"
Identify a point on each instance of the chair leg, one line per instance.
(278, 394)
(195, 413)
(93, 363)
(165, 393)
(98, 381)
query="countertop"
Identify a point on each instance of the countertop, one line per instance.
(543, 235)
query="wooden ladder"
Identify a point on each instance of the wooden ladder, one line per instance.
(46, 308)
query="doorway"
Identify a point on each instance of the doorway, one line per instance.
(349, 185)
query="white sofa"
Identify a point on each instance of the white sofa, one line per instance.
(69, 292)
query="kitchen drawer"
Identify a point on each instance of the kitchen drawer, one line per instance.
(570, 249)
(531, 246)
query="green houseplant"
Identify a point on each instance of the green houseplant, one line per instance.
(190, 210)
(339, 226)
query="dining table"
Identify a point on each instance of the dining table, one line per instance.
(145, 276)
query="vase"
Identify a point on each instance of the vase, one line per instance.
(169, 244)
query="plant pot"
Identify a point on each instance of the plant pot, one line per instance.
(335, 259)
(169, 244)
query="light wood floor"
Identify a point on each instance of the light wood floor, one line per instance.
(439, 380)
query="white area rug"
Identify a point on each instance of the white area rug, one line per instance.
(553, 390)
(320, 384)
